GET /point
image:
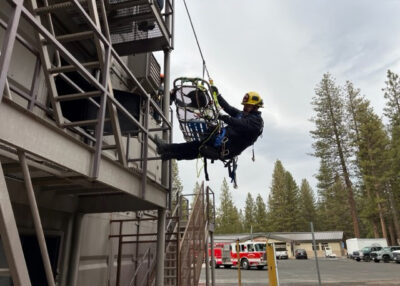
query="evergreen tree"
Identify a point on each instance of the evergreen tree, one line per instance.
(260, 216)
(333, 213)
(283, 201)
(392, 95)
(177, 186)
(276, 203)
(331, 143)
(227, 219)
(307, 208)
(392, 111)
(291, 203)
(373, 160)
(357, 108)
(249, 213)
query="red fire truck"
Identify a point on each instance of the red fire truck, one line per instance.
(251, 253)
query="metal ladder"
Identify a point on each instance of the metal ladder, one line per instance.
(89, 10)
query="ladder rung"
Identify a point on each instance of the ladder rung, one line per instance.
(72, 37)
(55, 7)
(126, 4)
(82, 123)
(109, 147)
(80, 95)
(71, 68)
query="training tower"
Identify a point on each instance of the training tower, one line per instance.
(84, 197)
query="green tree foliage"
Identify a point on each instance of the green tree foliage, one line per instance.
(373, 160)
(227, 220)
(307, 208)
(260, 215)
(249, 213)
(331, 137)
(177, 186)
(282, 201)
(392, 96)
(332, 212)
(392, 111)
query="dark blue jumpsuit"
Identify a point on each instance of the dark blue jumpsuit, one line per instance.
(242, 131)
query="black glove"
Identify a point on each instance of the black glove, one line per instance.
(213, 89)
(223, 117)
(172, 96)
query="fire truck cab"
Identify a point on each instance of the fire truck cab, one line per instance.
(251, 254)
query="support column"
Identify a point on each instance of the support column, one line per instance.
(212, 258)
(36, 219)
(166, 105)
(10, 238)
(207, 262)
(75, 250)
(160, 258)
(66, 251)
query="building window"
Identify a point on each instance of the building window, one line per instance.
(316, 246)
(324, 245)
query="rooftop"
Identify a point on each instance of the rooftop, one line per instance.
(283, 236)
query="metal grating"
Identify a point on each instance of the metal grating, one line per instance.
(134, 27)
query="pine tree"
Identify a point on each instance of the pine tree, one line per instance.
(331, 137)
(260, 216)
(307, 208)
(276, 203)
(227, 219)
(177, 186)
(291, 203)
(357, 108)
(392, 111)
(373, 161)
(249, 213)
(333, 213)
(283, 201)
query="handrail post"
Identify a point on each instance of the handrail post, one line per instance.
(160, 247)
(119, 254)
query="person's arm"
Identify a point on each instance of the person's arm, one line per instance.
(232, 111)
(243, 124)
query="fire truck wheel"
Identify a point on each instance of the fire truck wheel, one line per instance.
(245, 264)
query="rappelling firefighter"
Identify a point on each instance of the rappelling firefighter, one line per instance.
(242, 128)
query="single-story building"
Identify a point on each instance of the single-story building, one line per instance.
(293, 240)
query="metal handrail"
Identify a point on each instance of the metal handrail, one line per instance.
(147, 253)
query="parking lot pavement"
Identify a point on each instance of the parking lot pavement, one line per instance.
(303, 273)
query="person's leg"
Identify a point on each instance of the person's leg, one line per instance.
(179, 151)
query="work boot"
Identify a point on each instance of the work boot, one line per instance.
(161, 145)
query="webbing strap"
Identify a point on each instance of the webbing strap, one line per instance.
(205, 169)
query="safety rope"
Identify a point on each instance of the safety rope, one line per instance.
(197, 41)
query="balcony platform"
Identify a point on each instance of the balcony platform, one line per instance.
(60, 167)
(137, 26)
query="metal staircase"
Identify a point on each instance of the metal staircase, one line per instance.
(187, 234)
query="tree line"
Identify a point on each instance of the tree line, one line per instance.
(359, 155)
(289, 207)
(358, 188)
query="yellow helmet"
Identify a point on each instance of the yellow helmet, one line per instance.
(253, 98)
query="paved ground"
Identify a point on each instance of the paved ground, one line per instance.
(303, 273)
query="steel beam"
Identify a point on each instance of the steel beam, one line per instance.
(45, 140)
(8, 44)
(36, 219)
(10, 238)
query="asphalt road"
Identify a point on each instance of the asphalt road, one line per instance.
(303, 273)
